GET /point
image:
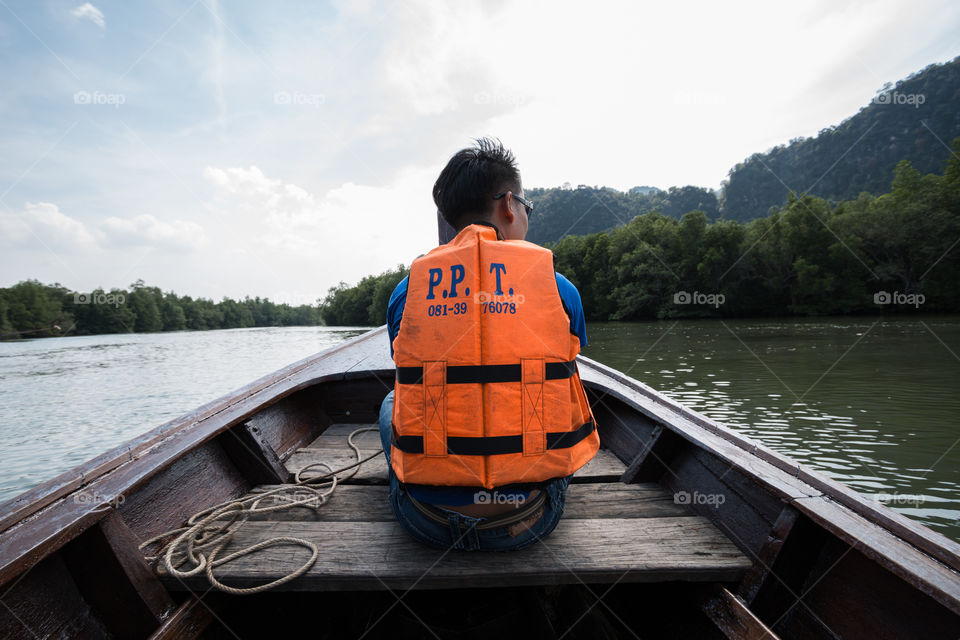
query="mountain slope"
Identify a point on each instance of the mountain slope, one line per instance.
(913, 120)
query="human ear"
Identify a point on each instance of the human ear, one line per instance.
(508, 212)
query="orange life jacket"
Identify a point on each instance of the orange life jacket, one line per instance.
(487, 389)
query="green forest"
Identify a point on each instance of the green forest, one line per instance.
(893, 252)
(364, 304)
(910, 120)
(32, 309)
(583, 210)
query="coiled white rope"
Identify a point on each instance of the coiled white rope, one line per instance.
(215, 527)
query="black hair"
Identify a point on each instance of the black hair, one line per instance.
(466, 186)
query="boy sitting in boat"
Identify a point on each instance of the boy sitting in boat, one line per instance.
(488, 419)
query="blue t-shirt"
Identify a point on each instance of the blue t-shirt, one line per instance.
(456, 496)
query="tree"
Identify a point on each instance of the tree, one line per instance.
(5, 326)
(385, 284)
(235, 314)
(171, 313)
(35, 307)
(145, 303)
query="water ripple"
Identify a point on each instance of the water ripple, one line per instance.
(66, 400)
(882, 417)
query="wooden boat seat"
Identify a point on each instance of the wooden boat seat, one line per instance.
(610, 532)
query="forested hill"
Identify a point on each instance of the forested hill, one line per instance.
(895, 252)
(567, 211)
(913, 120)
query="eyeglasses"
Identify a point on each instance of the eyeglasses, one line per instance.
(526, 203)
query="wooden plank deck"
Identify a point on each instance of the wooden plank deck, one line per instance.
(379, 555)
(368, 503)
(610, 532)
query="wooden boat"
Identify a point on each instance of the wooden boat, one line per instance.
(680, 527)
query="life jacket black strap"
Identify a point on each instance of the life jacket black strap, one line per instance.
(469, 374)
(495, 445)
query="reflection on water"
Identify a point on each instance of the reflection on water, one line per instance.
(870, 402)
(66, 400)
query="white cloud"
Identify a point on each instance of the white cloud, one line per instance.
(344, 234)
(434, 69)
(642, 93)
(87, 11)
(145, 229)
(13, 229)
(281, 215)
(43, 223)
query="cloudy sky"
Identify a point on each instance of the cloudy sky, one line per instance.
(276, 148)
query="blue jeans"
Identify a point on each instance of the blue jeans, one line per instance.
(461, 532)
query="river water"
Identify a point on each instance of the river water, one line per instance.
(66, 400)
(871, 402)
